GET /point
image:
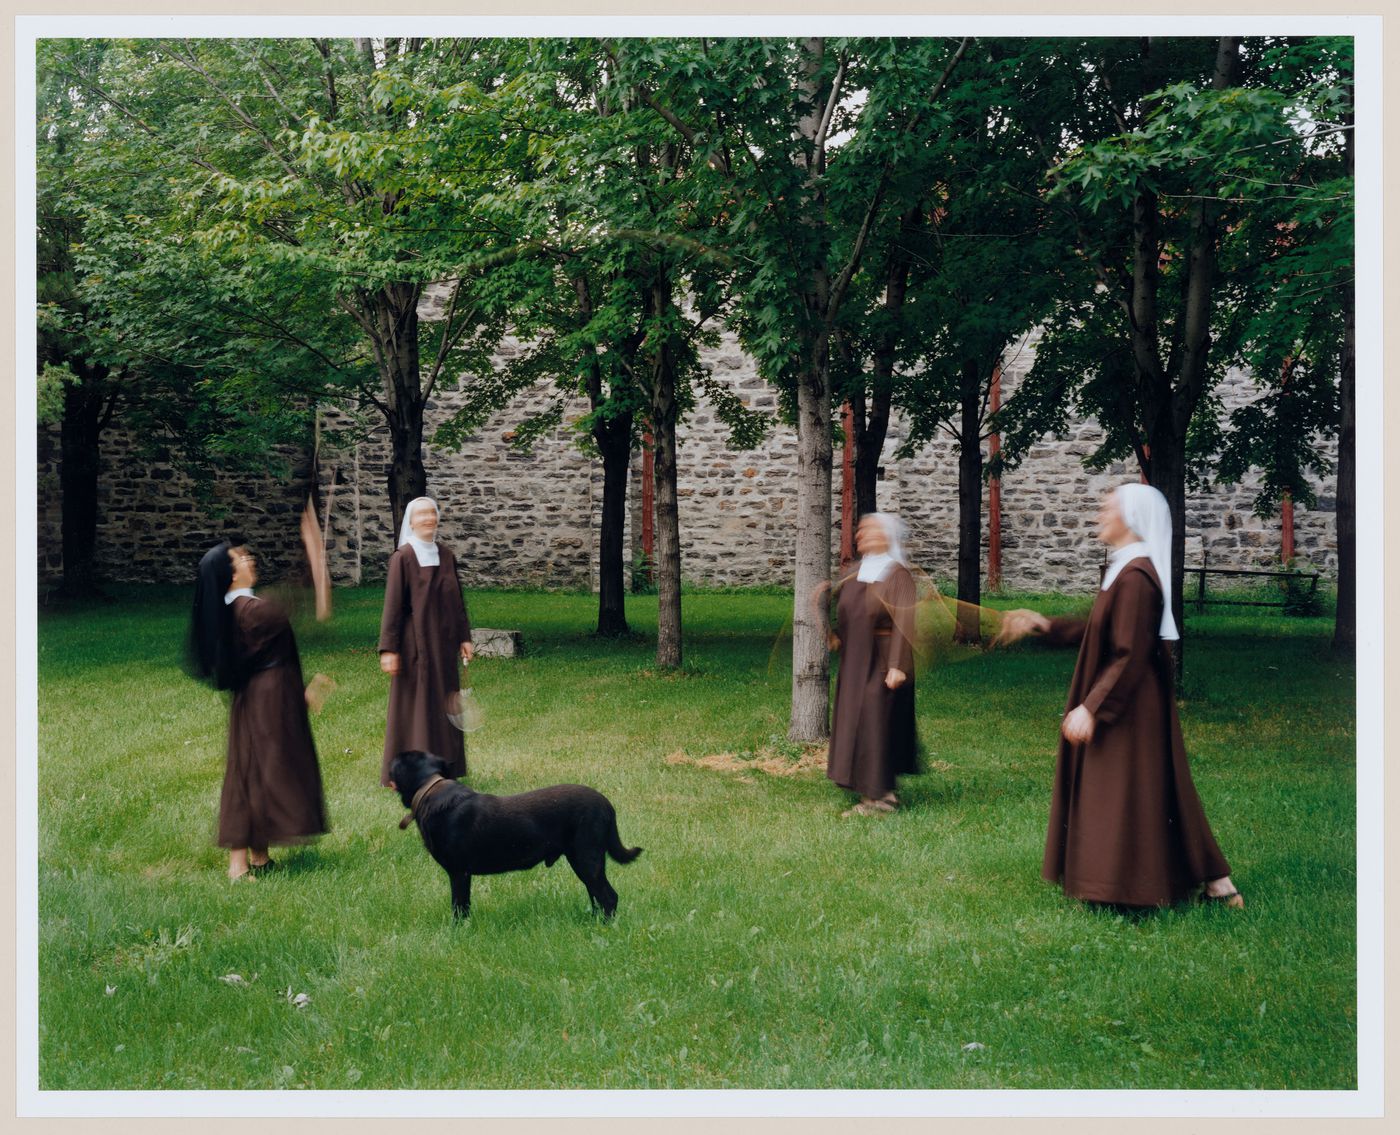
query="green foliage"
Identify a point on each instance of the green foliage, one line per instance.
(295, 199)
(53, 377)
(235, 232)
(1266, 156)
(1301, 598)
(643, 573)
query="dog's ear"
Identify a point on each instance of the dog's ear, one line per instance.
(437, 764)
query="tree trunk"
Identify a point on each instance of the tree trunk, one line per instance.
(870, 435)
(868, 438)
(970, 506)
(664, 412)
(407, 476)
(1167, 474)
(394, 315)
(613, 436)
(1171, 393)
(1344, 631)
(85, 413)
(614, 439)
(811, 659)
(810, 653)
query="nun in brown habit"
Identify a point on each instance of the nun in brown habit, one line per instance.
(1126, 824)
(272, 782)
(424, 631)
(873, 739)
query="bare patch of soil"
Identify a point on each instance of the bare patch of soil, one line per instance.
(809, 760)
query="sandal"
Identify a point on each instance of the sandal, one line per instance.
(262, 868)
(869, 808)
(1233, 900)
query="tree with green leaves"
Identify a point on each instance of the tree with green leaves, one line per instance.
(77, 389)
(92, 265)
(1292, 301)
(970, 269)
(326, 195)
(828, 123)
(1161, 151)
(632, 288)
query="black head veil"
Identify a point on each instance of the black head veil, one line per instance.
(210, 652)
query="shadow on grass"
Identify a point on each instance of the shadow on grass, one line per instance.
(302, 860)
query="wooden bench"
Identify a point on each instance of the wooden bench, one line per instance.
(1202, 571)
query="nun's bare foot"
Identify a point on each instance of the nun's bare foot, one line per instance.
(1223, 891)
(237, 863)
(869, 807)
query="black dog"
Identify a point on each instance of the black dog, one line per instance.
(470, 833)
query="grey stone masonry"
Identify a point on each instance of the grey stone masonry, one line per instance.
(531, 519)
(490, 643)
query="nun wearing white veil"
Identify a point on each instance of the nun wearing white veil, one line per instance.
(1126, 824)
(873, 738)
(425, 629)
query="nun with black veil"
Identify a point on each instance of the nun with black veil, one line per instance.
(244, 644)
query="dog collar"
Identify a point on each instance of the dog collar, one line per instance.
(418, 797)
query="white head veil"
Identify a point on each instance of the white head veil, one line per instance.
(425, 550)
(1146, 512)
(876, 566)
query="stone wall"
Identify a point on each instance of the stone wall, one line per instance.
(514, 519)
(153, 527)
(518, 519)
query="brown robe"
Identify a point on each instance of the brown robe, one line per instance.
(1126, 825)
(873, 739)
(272, 781)
(425, 622)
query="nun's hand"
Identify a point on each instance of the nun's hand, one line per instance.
(388, 662)
(317, 690)
(1017, 624)
(895, 678)
(1078, 726)
(466, 653)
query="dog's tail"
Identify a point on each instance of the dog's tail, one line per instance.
(616, 850)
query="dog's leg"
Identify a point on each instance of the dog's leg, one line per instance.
(588, 866)
(606, 896)
(461, 895)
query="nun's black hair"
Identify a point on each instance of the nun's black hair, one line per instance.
(211, 653)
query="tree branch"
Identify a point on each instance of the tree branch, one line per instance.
(819, 141)
(94, 89)
(189, 60)
(263, 69)
(450, 339)
(843, 281)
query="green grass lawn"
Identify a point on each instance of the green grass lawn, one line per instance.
(762, 941)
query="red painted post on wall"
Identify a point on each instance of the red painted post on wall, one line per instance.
(1286, 510)
(848, 486)
(648, 504)
(994, 496)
